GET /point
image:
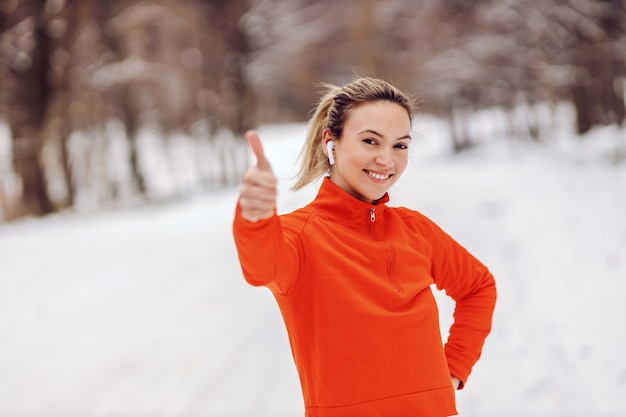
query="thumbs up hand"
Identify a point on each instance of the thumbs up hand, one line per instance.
(257, 194)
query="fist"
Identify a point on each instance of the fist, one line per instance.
(257, 194)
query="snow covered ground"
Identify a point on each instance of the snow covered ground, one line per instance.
(143, 312)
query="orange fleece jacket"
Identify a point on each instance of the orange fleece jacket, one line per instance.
(352, 281)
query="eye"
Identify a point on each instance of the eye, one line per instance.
(369, 141)
(401, 146)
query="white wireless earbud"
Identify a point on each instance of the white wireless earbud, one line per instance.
(330, 145)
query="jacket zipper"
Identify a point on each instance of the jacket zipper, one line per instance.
(396, 286)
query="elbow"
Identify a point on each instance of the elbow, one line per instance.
(256, 280)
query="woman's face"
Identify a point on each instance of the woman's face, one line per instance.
(372, 152)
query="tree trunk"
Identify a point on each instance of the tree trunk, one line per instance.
(27, 116)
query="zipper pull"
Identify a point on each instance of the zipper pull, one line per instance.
(372, 214)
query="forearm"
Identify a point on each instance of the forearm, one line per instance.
(265, 256)
(472, 323)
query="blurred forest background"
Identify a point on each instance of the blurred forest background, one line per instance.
(118, 102)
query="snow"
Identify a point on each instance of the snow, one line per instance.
(144, 312)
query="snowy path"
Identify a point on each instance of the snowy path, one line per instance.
(144, 312)
(127, 314)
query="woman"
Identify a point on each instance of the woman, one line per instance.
(352, 275)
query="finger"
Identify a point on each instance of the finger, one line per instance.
(254, 193)
(257, 148)
(255, 176)
(256, 206)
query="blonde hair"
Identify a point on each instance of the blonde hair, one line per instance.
(331, 113)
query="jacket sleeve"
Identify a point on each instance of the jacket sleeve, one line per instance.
(268, 253)
(473, 288)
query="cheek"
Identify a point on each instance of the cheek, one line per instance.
(355, 158)
(402, 163)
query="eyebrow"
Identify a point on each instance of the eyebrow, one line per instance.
(378, 134)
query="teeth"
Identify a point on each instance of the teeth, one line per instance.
(377, 176)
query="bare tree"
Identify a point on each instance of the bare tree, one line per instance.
(27, 88)
(80, 79)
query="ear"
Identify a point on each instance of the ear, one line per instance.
(329, 147)
(326, 137)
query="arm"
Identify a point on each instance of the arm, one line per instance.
(473, 288)
(266, 253)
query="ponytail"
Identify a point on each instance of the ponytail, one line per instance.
(314, 161)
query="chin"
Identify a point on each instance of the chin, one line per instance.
(373, 196)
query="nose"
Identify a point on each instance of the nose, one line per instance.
(383, 159)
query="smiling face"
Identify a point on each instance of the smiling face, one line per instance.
(372, 151)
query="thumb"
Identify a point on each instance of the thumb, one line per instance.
(257, 148)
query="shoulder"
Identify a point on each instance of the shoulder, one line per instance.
(420, 223)
(413, 218)
(298, 220)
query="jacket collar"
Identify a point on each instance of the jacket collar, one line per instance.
(334, 202)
